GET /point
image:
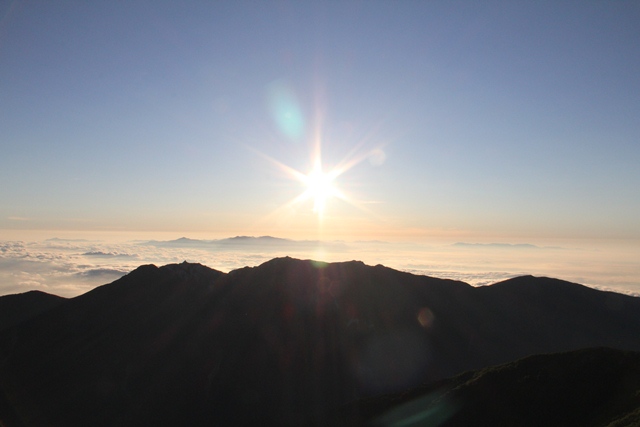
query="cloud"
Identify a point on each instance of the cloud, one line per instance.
(9, 248)
(102, 272)
(109, 254)
(472, 278)
(71, 267)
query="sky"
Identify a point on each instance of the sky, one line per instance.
(401, 121)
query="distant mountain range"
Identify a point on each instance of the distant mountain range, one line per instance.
(270, 242)
(249, 243)
(294, 342)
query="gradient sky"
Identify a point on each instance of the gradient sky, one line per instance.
(499, 120)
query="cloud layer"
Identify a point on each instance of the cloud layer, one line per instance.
(72, 267)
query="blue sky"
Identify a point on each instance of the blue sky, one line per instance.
(493, 120)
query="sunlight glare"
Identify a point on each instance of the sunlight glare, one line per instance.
(320, 187)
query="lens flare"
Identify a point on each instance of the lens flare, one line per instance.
(320, 185)
(286, 110)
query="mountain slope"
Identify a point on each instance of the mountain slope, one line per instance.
(584, 388)
(284, 343)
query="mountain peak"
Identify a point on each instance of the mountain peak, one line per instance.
(289, 262)
(142, 270)
(192, 270)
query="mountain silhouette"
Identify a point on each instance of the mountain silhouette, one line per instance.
(19, 307)
(285, 343)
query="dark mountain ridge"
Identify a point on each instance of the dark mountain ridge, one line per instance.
(284, 343)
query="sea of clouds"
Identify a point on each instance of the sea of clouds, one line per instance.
(70, 267)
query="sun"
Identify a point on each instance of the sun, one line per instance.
(320, 187)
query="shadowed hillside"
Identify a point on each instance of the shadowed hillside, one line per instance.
(585, 388)
(284, 343)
